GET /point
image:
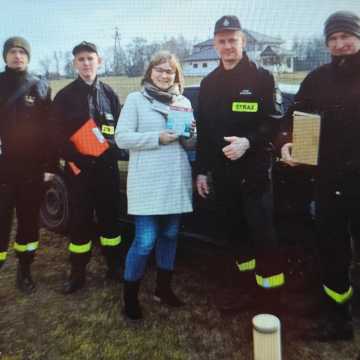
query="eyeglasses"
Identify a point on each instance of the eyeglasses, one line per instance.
(164, 71)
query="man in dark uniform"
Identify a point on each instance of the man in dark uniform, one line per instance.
(235, 124)
(333, 91)
(24, 154)
(93, 179)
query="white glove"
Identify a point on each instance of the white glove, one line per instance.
(237, 148)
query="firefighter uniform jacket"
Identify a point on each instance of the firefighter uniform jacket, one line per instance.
(333, 91)
(237, 102)
(73, 106)
(24, 126)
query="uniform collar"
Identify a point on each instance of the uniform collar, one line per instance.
(243, 62)
(15, 75)
(347, 65)
(83, 85)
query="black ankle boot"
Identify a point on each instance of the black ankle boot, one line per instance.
(24, 281)
(132, 309)
(76, 280)
(334, 326)
(163, 292)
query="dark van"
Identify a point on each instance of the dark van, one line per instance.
(56, 209)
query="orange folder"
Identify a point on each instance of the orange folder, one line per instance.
(89, 141)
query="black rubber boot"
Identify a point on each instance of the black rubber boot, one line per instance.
(335, 325)
(163, 292)
(76, 280)
(113, 261)
(24, 281)
(132, 309)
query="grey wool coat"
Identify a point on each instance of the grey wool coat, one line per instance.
(159, 176)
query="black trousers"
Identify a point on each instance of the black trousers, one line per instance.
(24, 195)
(337, 215)
(247, 220)
(96, 190)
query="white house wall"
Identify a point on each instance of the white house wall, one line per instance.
(189, 69)
(282, 68)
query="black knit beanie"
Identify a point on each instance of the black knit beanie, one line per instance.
(16, 41)
(342, 21)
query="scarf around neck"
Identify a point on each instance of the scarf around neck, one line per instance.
(163, 96)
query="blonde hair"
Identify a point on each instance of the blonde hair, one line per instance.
(162, 57)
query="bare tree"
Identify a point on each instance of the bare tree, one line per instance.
(45, 65)
(57, 59)
(119, 57)
(136, 57)
(310, 53)
(69, 68)
(178, 46)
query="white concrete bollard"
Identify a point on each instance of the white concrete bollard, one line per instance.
(267, 337)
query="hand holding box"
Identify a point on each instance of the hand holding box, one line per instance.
(306, 138)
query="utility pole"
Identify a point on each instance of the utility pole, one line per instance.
(117, 63)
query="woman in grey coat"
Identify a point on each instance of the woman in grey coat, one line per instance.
(159, 184)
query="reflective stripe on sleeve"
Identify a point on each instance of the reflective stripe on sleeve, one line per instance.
(339, 298)
(110, 241)
(80, 249)
(246, 266)
(271, 282)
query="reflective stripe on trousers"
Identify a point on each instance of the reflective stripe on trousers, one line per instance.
(271, 281)
(79, 249)
(246, 266)
(110, 241)
(27, 247)
(337, 297)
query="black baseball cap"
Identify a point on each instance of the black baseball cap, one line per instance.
(227, 23)
(85, 46)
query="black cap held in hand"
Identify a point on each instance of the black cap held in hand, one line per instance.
(227, 23)
(18, 42)
(342, 21)
(85, 46)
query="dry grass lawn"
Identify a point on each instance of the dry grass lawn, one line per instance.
(50, 326)
(123, 85)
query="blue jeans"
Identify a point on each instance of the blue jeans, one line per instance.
(159, 231)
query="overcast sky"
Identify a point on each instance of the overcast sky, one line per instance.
(60, 24)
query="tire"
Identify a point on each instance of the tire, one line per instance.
(55, 208)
